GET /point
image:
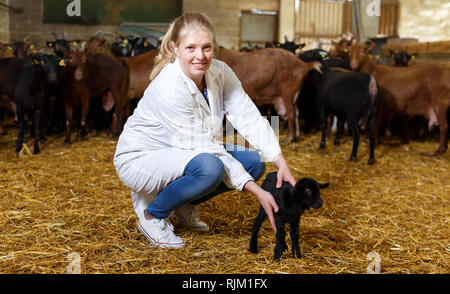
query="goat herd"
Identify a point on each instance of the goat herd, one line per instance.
(100, 83)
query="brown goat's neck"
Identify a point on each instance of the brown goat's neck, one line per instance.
(368, 65)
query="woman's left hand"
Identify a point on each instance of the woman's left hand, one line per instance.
(284, 173)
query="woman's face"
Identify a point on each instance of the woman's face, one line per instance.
(195, 53)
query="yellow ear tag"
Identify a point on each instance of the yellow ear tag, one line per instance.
(50, 45)
(346, 50)
(31, 46)
(125, 41)
(62, 63)
(145, 44)
(413, 57)
(35, 61)
(323, 55)
(75, 43)
(10, 48)
(278, 45)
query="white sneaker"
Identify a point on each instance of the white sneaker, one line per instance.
(160, 233)
(189, 216)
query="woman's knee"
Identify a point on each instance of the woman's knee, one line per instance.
(205, 165)
(254, 165)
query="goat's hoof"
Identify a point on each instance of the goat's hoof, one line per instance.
(288, 140)
(440, 152)
(353, 158)
(66, 144)
(371, 161)
(253, 250)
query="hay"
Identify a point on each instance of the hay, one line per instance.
(67, 201)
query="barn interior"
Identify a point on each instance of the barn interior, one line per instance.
(66, 211)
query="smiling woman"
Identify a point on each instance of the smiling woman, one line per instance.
(170, 153)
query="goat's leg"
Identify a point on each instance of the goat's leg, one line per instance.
(37, 130)
(443, 130)
(353, 125)
(324, 124)
(296, 116)
(294, 225)
(372, 134)
(255, 229)
(280, 239)
(120, 112)
(69, 117)
(84, 114)
(21, 126)
(340, 125)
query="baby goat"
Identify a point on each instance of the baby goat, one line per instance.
(292, 202)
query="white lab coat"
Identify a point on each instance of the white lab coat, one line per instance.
(173, 123)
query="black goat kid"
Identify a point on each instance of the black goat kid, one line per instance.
(292, 202)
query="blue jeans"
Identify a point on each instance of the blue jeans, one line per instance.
(202, 180)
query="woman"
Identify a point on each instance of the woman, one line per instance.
(170, 153)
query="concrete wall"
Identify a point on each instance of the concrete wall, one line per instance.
(4, 22)
(426, 20)
(224, 15)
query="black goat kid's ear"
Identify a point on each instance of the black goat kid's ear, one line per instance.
(323, 186)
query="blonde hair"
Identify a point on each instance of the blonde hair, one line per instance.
(177, 29)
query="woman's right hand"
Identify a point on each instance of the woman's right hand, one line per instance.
(266, 199)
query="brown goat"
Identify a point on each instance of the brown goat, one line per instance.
(139, 68)
(422, 89)
(271, 76)
(91, 76)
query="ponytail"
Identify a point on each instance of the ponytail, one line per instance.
(166, 53)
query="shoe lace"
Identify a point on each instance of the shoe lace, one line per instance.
(194, 216)
(165, 228)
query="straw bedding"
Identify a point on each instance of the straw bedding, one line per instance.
(70, 201)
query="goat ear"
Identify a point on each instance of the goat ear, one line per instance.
(368, 46)
(323, 186)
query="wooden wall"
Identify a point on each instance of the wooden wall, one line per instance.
(4, 22)
(426, 20)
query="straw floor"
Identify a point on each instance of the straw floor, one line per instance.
(69, 202)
